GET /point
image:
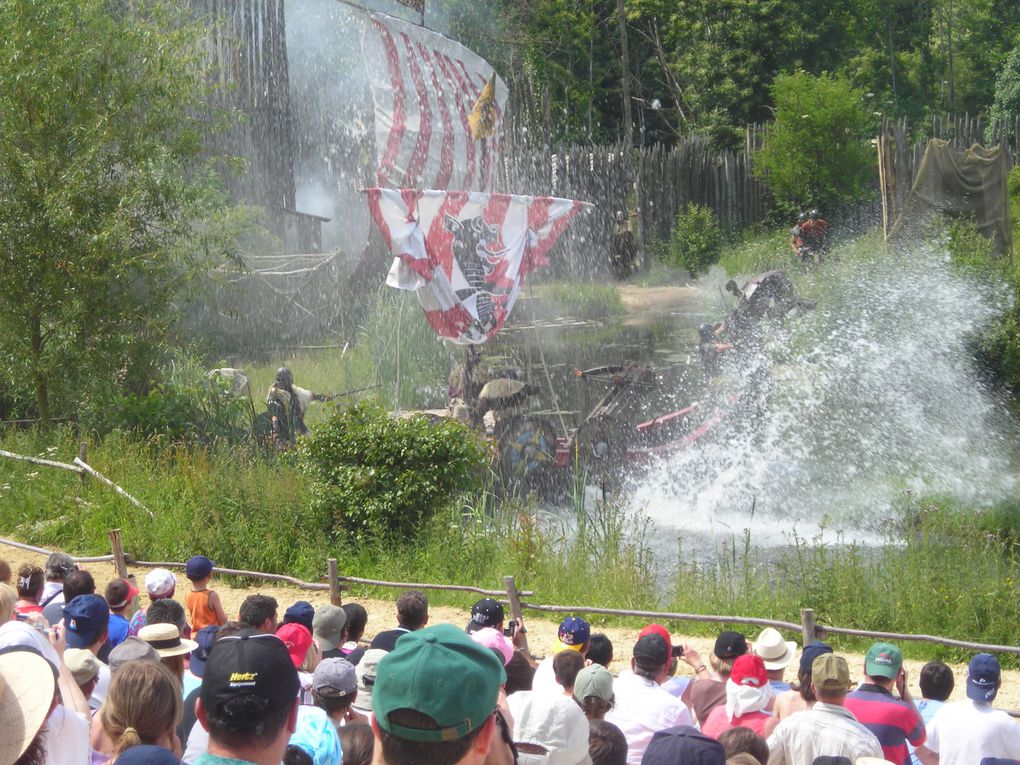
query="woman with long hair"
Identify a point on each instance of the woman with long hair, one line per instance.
(143, 706)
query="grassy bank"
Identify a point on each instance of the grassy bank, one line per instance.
(937, 568)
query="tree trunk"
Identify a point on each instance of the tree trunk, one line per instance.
(628, 120)
(42, 394)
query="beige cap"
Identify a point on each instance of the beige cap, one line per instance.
(83, 664)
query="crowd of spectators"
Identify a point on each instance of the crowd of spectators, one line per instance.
(101, 682)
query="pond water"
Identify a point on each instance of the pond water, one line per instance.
(873, 395)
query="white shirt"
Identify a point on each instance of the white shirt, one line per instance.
(825, 729)
(642, 708)
(544, 680)
(964, 732)
(67, 738)
(102, 687)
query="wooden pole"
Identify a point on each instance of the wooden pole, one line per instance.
(514, 596)
(807, 621)
(96, 474)
(39, 461)
(335, 596)
(83, 455)
(118, 553)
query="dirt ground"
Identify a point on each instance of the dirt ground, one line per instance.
(653, 302)
(541, 632)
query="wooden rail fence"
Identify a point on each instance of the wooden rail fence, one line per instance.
(510, 595)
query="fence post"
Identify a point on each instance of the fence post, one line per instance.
(807, 622)
(83, 453)
(334, 584)
(513, 596)
(118, 553)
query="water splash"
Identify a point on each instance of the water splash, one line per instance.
(873, 395)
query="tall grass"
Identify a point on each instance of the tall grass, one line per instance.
(935, 567)
(583, 300)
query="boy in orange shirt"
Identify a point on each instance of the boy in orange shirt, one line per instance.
(204, 607)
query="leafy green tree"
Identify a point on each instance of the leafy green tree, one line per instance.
(102, 192)
(1006, 108)
(816, 153)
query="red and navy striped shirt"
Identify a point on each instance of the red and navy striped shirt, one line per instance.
(893, 722)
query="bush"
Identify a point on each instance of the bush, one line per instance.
(184, 407)
(383, 477)
(816, 153)
(696, 241)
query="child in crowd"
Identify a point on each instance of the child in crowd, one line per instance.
(937, 682)
(160, 584)
(30, 586)
(204, 607)
(119, 594)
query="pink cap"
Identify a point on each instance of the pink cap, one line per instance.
(495, 640)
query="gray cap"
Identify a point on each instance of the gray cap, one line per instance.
(593, 680)
(366, 678)
(335, 678)
(59, 565)
(328, 626)
(132, 649)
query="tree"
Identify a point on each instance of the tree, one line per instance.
(816, 153)
(1006, 109)
(102, 193)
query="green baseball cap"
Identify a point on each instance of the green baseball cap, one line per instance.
(442, 673)
(883, 660)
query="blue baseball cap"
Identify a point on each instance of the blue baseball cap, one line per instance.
(301, 613)
(205, 638)
(198, 567)
(812, 652)
(983, 674)
(86, 616)
(574, 632)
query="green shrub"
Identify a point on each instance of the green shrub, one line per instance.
(696, 241)
(969, 248)
(377, 476)
(195, 410)
(816, 153)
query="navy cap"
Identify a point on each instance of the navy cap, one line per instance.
(198, 567)
(147, 754)
(301, 613)
(86, 616)
(730, 645)
(812, 652)
(205, 638)
(983, 674)
(683, 744)
(574, 631)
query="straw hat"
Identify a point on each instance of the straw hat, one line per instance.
(775, 651)
(166, 639)
(27, 686)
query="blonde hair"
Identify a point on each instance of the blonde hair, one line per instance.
(8, 597)
(722, 667)
(142, 705)
(312, 659)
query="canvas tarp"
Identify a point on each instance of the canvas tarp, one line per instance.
(971, 183)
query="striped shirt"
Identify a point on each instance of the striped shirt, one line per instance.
(893, 722)
(825, 729)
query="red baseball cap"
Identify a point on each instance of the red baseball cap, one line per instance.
(749, 669)
(656, 629)
(298, 640)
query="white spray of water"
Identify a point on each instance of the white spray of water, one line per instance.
(874, 395)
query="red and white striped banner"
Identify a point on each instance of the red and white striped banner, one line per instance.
(424, 86)
(467, 253)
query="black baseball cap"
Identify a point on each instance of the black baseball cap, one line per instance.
(485, 613)
(730, 645)
(652, 647)
(253, 664)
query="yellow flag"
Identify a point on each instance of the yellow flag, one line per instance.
(483, 115)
